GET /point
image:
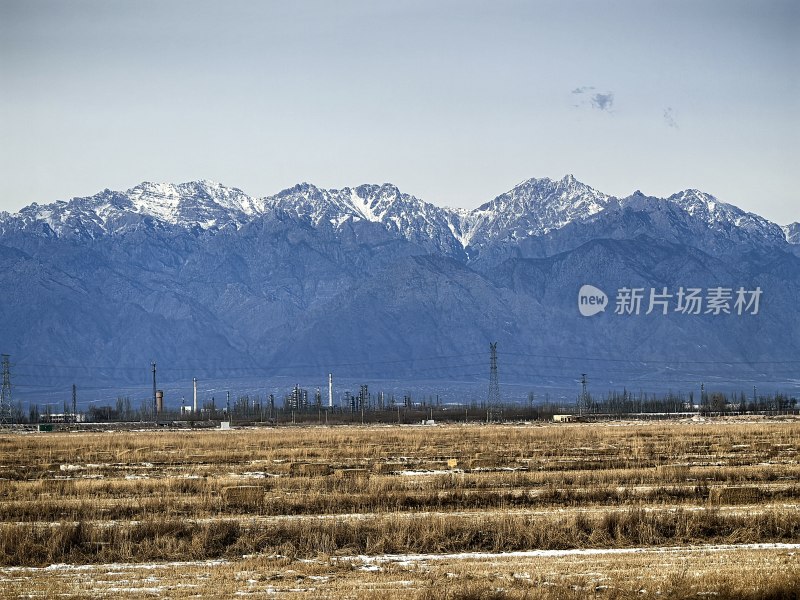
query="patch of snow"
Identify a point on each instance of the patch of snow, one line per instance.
(371, 568)
(415, 558)
(338, 220)
(363, 206)
(118, 566)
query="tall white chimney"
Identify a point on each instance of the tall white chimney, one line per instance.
(330, 390)
(194, 385)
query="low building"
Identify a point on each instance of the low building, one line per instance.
(568, 418)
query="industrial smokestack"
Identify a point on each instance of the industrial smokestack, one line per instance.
(194, 404)
(155, 401)
(159, 401)
(330, 390)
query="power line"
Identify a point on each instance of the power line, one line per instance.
(518, 369)
(274, 369)
(657, 361)
(634, 373)
(321, 364)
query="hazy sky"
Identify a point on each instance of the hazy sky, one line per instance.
(453, 101)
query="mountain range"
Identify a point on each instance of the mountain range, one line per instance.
(374, 284)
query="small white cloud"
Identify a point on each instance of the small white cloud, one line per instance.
(583, 89)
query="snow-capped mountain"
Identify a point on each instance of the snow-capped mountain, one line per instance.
(370, 281)
(725, 217)
(201, 204)
(417, 221)
(531, 210)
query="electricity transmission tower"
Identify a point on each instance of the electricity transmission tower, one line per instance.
(6, 416)
(494, 384)
(583, 403)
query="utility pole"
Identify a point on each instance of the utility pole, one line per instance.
(584, 395)
(494, 384)
(6, 416)
(702, 396)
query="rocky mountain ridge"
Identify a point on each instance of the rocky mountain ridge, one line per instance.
(375, 284)
(533, 208)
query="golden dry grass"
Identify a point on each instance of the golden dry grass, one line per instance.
(725, 574)
(319, 494)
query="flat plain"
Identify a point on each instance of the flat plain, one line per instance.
(532, 510)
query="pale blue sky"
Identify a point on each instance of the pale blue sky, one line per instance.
(453, 101)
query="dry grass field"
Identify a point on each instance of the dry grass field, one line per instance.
(612, 510)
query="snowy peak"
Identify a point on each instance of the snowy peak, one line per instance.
(85, 217)
(534, 207)
(726, 217)
(366, 202)
(374, 202)
(551, 204)
(705, 206)
(202, 203)
(417, 221)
